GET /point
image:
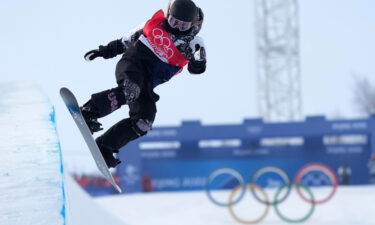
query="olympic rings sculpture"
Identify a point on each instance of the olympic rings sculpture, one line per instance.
(326, 170)
(234, 215)
(276, 170)
(229, 171)
(278, 198)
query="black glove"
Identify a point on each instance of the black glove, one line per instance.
(110, 50)
(91, 55)
(197, 66)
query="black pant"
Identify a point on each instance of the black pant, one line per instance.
(143, 109)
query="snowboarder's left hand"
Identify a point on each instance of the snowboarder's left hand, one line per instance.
(91, 55)
(197, 64)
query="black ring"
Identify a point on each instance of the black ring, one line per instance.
(278, 171)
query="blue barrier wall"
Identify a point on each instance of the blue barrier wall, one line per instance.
(181, 158)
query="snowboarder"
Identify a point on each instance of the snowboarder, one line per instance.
(151, 55)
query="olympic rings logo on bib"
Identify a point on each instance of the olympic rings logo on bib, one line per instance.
(158, 40)
(161, 43)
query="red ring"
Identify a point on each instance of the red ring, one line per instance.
(325, 169)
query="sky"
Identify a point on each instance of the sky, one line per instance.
(43, 42)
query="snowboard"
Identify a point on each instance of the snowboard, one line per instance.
(73, 107)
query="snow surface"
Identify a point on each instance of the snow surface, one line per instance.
(350, 206)
(82, 210)
(31, 187)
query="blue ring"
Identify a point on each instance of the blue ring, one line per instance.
(221, 171)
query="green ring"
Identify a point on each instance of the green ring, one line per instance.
(303, 219)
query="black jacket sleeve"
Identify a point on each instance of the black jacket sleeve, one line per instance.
(119, 46)
(112, 49)
(131, 38)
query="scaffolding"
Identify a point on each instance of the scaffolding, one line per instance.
(278, 63)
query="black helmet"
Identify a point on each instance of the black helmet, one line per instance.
(184, 10)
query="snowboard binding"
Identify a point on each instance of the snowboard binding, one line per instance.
(91, 119)
(107, 154)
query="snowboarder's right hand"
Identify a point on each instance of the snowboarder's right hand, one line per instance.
(91, 55)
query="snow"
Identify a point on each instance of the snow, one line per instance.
(350, 205)
(83, 210)
(31, 187)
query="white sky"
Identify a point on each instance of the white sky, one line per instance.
(44, 42)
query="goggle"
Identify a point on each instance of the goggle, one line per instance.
(179, 24)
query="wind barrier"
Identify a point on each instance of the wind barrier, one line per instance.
(182, 157)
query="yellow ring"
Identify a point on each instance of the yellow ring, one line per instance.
(230, 204)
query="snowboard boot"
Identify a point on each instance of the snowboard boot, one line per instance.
(107, 154)
(91, 119)
(114, 138)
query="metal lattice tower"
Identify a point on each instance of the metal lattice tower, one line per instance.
(278, 66)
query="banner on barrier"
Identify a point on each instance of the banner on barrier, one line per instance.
(181, 158)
